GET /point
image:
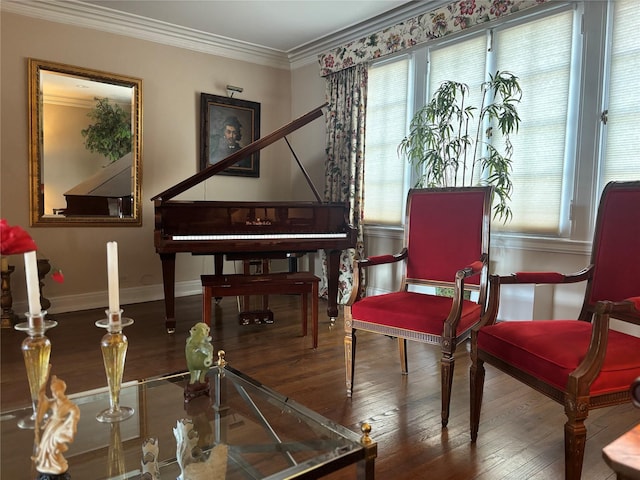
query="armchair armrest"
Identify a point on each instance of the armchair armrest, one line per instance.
(545, 277)
(370, 262)
(382, 259)
(451, 323)
(583, 376)
(627, 310)
(519, 278)
(635, 304)
(473, 268)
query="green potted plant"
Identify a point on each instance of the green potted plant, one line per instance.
(448, 148)
(110, 134)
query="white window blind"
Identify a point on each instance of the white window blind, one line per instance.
(462, 62)
(622, 150)
(539, 54)
(384, 171)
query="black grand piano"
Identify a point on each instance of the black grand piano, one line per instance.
(250, 230)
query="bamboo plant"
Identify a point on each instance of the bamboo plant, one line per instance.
(448, 147)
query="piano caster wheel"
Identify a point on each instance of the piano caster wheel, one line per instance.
(171, 331)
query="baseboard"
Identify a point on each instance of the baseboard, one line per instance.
(88, 301)
(519, 300)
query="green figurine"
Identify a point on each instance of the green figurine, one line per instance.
(199, 354)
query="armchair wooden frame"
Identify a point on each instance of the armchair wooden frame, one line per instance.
(471, 208)
(600, 354)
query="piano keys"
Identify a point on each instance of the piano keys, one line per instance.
(249, 230)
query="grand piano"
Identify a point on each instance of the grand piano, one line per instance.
(107, 193)
(249, 230)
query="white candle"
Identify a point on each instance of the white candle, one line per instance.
(5, 264)
(112, 270)
(33, 284)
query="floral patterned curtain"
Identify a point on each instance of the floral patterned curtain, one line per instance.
(451, 18)
(347, 97)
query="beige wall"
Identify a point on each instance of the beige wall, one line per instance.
(308, 92)
(173, 79)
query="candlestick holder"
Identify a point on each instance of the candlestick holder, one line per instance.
(44, 267)
(114, 350)
(36, 350)
(8, 317)
(115, 453)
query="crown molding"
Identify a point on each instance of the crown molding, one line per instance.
(80, 14)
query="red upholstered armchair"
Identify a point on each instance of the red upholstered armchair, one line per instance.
(446, 245)
(582, 364)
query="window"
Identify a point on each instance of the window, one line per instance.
(384, 171)
(539, 53)
(620, 144)
(563, 153)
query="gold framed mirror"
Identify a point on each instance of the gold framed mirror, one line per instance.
(85, 154)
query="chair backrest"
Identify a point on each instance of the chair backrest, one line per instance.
(615, 254)
(446, 230)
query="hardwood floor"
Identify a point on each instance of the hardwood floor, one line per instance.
(521, 431)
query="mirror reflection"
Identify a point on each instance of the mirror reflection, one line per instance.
(85, 146)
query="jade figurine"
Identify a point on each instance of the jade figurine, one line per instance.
(199, 355)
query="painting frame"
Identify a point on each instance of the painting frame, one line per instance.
(228, 124)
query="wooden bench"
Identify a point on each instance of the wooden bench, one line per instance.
(304, 283)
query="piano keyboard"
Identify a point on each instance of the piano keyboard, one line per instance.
(265, 236)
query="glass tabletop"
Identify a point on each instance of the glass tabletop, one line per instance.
(241, 427)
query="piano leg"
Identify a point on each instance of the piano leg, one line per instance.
(333, 272)
(169, 281)
(218, 265)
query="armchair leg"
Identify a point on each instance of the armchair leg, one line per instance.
(476, 381)
(349, 354)
(575, 437)
(402, 348)
(447, 365)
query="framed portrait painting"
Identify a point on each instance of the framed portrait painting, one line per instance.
(227, 125)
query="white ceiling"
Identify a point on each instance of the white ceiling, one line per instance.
(77, 90)
(281, 25)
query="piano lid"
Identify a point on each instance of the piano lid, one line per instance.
(239, 155)
(114, 180)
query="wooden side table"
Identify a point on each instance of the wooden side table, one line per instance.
(623, 455)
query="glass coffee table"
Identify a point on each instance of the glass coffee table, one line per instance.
(262, 434)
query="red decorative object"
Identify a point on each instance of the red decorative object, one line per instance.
(14, 239)
(58, 276)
